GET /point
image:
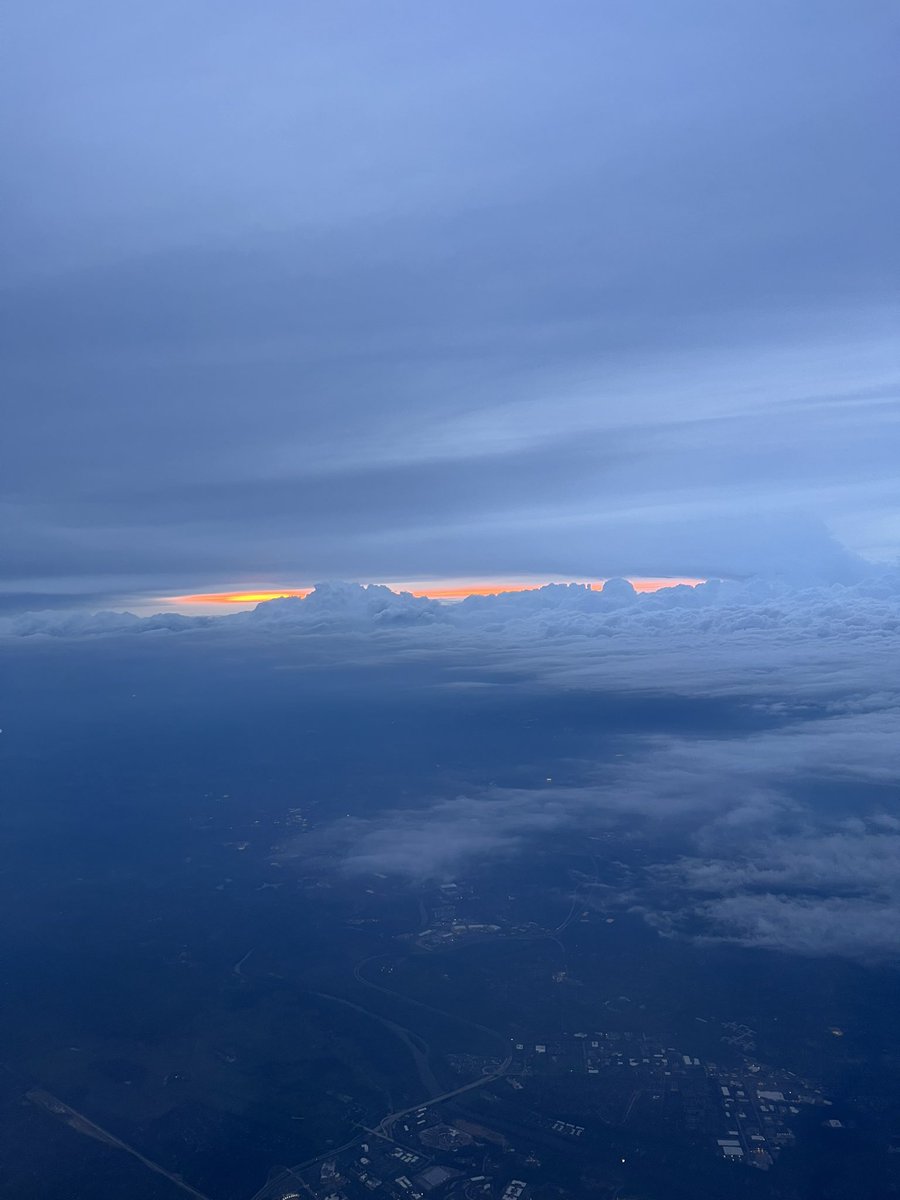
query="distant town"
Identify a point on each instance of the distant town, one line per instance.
(553, 1094)
(744, 1115)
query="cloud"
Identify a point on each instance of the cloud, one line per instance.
(776, 837)
(775, 832)
(339, 606)
(435, 841)
(799, 855)
(861, 928)
(837, 861)
(773, 867)
(445, 294)
(785, 644)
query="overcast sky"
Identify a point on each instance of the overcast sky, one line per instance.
(395, 291)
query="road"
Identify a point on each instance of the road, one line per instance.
(82, 1124)
(291, 1175)
(417, 1046)
(383, 1129)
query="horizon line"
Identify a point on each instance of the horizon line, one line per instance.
(437, 590)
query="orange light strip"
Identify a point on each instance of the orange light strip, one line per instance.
(433, 591)
(237, 597)
(460, 591)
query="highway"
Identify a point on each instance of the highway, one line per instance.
(290, 1177)
(384, 1127)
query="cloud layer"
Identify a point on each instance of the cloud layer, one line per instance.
(784, 834)
(603, 290)
(774, 862)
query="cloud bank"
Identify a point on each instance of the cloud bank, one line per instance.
(785, 835)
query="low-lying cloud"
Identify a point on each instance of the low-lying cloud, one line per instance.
(792, 841)
(780, 835)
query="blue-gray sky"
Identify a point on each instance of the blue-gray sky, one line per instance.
(402, 291)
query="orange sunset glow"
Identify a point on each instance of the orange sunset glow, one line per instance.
(238, 597)
(437, 590)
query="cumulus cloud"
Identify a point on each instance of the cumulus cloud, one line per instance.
(339, 605)
(773, 606)
(787, 644)
(785, 831)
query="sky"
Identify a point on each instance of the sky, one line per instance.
(480, 291)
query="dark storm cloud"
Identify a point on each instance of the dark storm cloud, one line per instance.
(329, 291)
